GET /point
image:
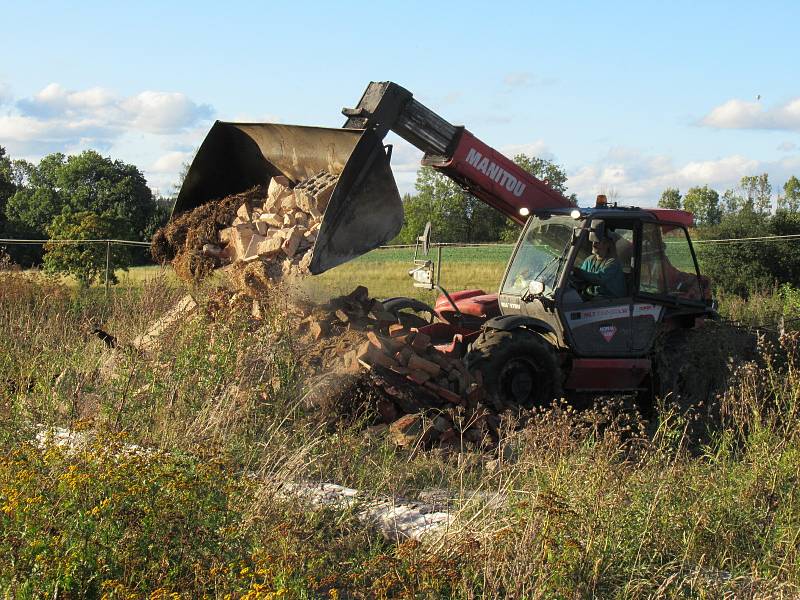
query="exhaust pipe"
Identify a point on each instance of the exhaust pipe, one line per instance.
(364, 211)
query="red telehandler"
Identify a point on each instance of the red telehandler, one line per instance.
(546, 331)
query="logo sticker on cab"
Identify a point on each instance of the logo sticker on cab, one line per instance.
(608, 332)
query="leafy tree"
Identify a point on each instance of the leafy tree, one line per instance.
(790, 200)
(32, 209)
(86, 262)
(86, 182)
(7, 187)
(731, 202)
(704, 203)
(743, 267)
(670, 198)
(757, 193)
(736, 268)
(90, 182)
(547, 171)
(457, 216)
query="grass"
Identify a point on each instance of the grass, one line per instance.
(591, 507)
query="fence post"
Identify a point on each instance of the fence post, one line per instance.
(108, 263)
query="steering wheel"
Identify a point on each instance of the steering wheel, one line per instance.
(581, 286)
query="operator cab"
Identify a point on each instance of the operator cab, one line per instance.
(602, 279)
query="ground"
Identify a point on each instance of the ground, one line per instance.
(576, 504)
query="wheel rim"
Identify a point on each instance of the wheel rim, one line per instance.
(521, 381)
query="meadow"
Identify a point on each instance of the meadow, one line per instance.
(578, 504)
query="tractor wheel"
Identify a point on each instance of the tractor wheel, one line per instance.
(407, 311)
(519, 368)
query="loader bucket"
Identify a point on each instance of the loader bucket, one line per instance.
(364, 211)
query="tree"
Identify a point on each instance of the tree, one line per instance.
(86, 262)
(86, 182)
(732, 202)
(547, 171)
(7, 187)
(746, 266)
(757, 193)
(790, 200)
(455, 215)
(704, 203)
(458, 216)
(670, 198)
(90, 182)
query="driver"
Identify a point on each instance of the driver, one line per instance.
(601, 270)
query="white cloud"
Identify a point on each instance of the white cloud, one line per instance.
(639, 179)
(741, 114)
(164, 112)
(170, 163)
(787, 146)
(57, 119)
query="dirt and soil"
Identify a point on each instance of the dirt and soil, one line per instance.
(181, 240)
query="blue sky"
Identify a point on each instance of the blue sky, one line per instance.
(630, 97)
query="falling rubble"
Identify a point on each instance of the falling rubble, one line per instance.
(274, 226)
(357, 352)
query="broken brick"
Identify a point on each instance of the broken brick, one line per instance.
(291, 242)
(417, 362)
(421, 342)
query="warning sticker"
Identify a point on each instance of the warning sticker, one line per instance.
(608, 332)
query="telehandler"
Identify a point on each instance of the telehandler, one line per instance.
(551, 328)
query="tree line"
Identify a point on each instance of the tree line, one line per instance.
(84, 196)
(753, 195)
(745, 211)
(458, 216)
(88, 196)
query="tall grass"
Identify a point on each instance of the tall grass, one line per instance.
(578, 504)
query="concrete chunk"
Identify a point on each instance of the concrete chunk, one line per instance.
(288, 203)
(278, 188)
(252, 247)
(240, 238)
(245, 212)
(272, 219)
(148, 341)
(291, 242)
(270, 247)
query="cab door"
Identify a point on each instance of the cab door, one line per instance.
(602, 327)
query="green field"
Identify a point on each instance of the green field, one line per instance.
(383, 271)
(578, 504)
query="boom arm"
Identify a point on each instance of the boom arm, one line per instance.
(454, 151)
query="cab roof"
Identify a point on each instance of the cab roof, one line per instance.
(664, 215)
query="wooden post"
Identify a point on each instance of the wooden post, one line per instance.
(108, 262)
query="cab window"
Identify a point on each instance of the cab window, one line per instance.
(668, 267)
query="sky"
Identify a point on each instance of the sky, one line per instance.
(628, 97)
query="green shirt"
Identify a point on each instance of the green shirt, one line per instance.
(605, 277)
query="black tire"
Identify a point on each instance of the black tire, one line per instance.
(406, 310)
(519, 368)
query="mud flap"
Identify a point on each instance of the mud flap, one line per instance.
(365, 210)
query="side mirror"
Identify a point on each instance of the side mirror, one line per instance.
(423, 275)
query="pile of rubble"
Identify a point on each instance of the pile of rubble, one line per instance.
(418, 394)
(277, 226)
(360, 360)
